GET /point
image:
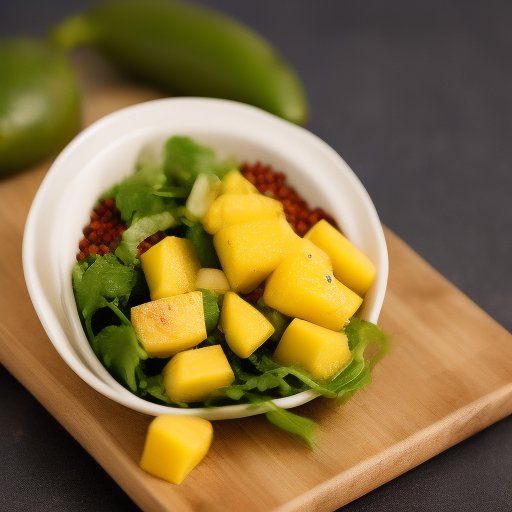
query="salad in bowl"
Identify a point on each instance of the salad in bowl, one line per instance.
(194, 278)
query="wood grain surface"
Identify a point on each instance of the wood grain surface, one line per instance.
(447, 376)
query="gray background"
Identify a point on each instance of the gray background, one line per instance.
(416, 97)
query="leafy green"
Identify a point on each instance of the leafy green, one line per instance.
(287, 380)
(105, 280)
(155, 387)
(118, 349)
(203, 243)
(293, 423)
(279, 321)
(134, 235)
(185, 160)
(211, 309)
(135, 195)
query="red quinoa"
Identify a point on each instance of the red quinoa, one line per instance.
(103, 234)
(273, 184)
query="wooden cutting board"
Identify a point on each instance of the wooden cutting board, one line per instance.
(447, 376)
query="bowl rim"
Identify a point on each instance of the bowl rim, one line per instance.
(48, 313)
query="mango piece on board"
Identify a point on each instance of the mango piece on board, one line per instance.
(248, 253)
(235, 183)
(193, 375)
(244, 326)
(175, 445)
(351, 266)
(170, 267)
(167, 326)
(212, 279)
(232, 209)
(304, 286)
(320, 351)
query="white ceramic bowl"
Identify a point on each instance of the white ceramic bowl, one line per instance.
(106, 152)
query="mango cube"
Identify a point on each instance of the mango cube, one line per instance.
(175, 445)
(320, 351)
(235, 183)
(304, 286)
(244, 326)
(194, 375)
(351, 266)
(294, 243)
(232, 209)
(170, 267)
(167, 326)
(212, 279)
(248, 253)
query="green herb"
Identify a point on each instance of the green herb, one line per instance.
(135, 196)
(134, 235)
(106, 280)
(293, 423)
(185, 160)
(118, 349)
(211, 309)
(203, 243)
(279, 321)
(282, 418)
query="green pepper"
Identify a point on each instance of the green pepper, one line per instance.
(39, 103)
(191, 50)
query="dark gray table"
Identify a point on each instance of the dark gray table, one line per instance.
(417, 97)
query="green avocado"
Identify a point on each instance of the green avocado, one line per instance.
(39, 103)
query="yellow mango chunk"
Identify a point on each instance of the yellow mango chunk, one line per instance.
(294, 243)
(304, 286)
(212, 279)
(193, 375)
(351, 266)
(248, 253)
(167, 326)
(170, 267)
(233, 209)
(244, 326)
(320, 351)
(175, 445)
(235, 183)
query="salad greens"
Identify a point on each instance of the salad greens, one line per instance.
(106, 287)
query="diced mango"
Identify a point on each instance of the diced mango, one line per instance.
(249, 252)
(304, 286)
(294, 243)
(175, 445)
(320, 351)
(212, 279)
(235, 183)
(244, 326)
(193, 375)
(233, 209)
(167, 326)
(170, 267)
(351, 266)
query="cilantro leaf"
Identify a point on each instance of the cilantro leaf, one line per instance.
(135, 196)
(118, 349)
(185, 160)
(107, 279)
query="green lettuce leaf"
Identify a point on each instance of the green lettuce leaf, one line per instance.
(135, 234)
